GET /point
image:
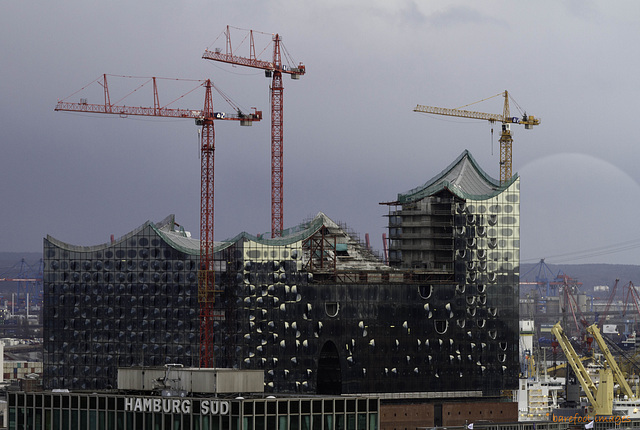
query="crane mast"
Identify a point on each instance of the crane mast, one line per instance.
(206, 275)
(603, 317)
(506, 141)
(204, 118)
(277, 197)
(273, 69)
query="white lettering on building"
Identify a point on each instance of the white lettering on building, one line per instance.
(175, 406)
(166, 406)
(214, 407)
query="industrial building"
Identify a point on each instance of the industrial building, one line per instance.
(314, 309)
(174, 397)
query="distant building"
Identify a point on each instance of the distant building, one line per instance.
(14, 370)
(315, 310)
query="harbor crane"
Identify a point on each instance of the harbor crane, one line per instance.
(274, 69)
(204, 118)
(601, 396)
(603, 317)
(618, 376)
(505, 118)
(28, 278)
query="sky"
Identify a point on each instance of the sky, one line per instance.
(351, 138)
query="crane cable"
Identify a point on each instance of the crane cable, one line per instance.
(594, 252)
(480, 101)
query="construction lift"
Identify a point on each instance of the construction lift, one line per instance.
(203, 117)
(505, 118)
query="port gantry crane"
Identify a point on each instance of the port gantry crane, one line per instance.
(203, 117)
(505, 118)
(273, 68)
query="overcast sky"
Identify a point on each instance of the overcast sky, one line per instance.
(351, 138)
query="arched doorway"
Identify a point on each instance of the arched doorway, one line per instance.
(329, 375)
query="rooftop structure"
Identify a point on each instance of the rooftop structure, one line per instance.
(175, 380)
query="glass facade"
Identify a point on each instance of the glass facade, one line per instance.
(491, 256)
(99, 411)
(463, 228)
(132, 302)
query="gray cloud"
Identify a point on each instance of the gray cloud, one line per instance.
(351, 138)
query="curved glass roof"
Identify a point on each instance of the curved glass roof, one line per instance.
(179, 239)
(463, 178)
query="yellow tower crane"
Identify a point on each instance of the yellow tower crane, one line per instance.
(505, 118)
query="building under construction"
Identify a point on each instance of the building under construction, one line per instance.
(314, 309)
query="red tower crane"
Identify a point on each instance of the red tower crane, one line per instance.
(273, 68)
(632, 293)
(203, 117)
(603, 318)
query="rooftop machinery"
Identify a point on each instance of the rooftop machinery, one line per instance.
(203, 117)
(505, 118)
(273, 68)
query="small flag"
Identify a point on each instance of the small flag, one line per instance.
(589, 425)
(470, 426)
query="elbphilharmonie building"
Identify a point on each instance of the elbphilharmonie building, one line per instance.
(315, 309)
